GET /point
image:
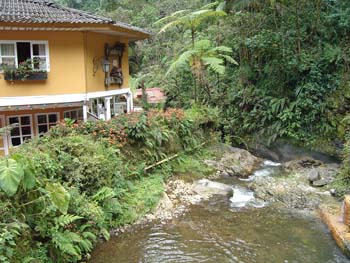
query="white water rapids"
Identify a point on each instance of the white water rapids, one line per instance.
(242, 196)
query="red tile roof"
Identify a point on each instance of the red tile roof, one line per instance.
(154, 95)
(47, 11)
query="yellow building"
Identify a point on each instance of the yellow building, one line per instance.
(57, 62)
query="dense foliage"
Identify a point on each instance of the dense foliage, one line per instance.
(62, 192)
(292, 80)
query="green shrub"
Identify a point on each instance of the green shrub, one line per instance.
(60, 192)
(342, 182)
(77, 160)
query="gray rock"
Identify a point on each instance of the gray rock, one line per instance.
(205, 186)
(225, 174)
(235, 162)
(263, 151)
(314, 176)
(304, 162)
(332, 192)
(320, 183)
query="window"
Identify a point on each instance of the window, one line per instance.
(44, 121)
(22, 129)
(97, 106)
(118, 105)
(8, 55)
(12, 53)
(76, 114)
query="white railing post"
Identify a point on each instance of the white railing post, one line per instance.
(108, 108)
(85, 111)
(131, 101)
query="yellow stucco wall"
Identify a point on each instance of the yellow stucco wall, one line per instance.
(67, 72)
(95, 49)
(71, 63)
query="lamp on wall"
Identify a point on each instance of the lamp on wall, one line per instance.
(105, 65)
(113, 71)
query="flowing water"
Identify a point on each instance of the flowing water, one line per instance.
(237, 229)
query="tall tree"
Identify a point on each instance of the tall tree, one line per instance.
(201, 58)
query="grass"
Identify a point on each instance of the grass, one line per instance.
(145, 193)
(142, 198)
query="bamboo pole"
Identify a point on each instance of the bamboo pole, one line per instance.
(171, 158)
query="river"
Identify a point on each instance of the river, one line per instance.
(223, 229)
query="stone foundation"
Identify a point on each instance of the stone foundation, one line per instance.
(338, 221)
(346, 215)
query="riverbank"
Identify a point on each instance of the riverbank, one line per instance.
(301, 185)
(62, 192)
(210, 212)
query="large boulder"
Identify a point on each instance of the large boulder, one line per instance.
(301, 163)
(314, 176)
(263, 151)
(236, 162)
(290, 193)
(206, 186)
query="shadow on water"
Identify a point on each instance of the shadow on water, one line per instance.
(213, 231)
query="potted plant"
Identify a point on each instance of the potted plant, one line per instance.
(25, 71)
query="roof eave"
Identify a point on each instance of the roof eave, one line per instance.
(133, 33)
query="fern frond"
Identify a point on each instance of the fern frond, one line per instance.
(104, 232)
(63, 243)
(203, 44)
(229, 59)
(215, 64)
(170, 25)
(181, 61)
(65, 220)
(103, 194)
(223, 49)
(89, 235)
(210, 5)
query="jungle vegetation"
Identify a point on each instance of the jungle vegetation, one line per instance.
(274, 68)
(254, 70)
(61, 193)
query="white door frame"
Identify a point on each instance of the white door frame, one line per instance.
(4, 136)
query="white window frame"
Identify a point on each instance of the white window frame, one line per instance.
(76, 110)
(32, 42)
(47, 123)
(15, 53)
(20, 128)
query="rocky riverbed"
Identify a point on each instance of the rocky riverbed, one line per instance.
(302, 186)
(262, 212)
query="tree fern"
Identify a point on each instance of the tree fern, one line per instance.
(182, 61)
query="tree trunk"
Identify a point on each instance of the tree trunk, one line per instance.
(298, 26)
(193, 35)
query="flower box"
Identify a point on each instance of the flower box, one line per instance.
(12, 76)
